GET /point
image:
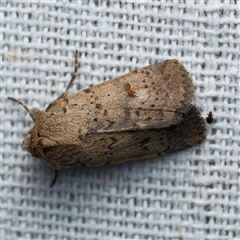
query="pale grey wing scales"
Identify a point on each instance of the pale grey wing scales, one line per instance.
(160, 94)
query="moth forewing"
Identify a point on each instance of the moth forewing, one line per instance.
(162, 93)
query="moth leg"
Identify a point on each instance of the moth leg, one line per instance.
(33, 112)
(55, 178)
(75, 73)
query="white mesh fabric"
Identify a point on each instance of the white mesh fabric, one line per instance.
(193, 194)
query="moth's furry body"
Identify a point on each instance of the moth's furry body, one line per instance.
(110, 123)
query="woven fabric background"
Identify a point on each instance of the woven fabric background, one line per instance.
(192, 194)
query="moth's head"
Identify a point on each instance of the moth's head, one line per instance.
(29, 143)
(39, 145)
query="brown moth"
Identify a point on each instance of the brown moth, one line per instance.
(138, 115)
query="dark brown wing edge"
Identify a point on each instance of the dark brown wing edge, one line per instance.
(190, 132)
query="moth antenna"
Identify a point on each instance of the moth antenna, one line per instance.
(75, 73)
(55, 178)
(32, 112)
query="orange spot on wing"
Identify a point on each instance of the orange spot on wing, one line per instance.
(129, 90)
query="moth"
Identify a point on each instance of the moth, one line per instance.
(138, 115)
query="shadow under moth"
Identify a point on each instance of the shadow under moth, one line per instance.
(138, 115)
